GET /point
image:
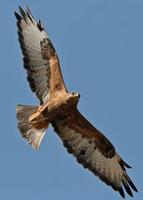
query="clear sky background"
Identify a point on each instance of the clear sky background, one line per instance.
(100, 46)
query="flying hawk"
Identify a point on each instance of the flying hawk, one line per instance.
(59, 108)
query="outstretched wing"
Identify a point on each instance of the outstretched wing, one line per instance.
(39, 56)
(94, 151)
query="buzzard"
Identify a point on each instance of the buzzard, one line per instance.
(58, 107)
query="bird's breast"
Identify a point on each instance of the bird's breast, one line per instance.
(60, 106)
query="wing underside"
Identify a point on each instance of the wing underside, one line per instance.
(37, 52)
(94, 151)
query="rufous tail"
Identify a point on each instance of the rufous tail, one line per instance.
(33, 131)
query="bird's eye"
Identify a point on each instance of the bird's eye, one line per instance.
(73, 93)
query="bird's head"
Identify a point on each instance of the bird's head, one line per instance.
(74, 97)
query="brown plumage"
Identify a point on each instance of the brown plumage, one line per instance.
(59, 108)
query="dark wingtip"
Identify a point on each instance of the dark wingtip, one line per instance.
(28, 10)
(29, 14)
(127, 188)
(40, 26)
(22, 12)
(132, 185)
(124, 164)
(18, 17)
(121, 192)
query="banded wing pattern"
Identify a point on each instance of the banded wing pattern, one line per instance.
(39, 56)
(94, 151)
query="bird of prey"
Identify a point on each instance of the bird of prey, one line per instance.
(58, 107)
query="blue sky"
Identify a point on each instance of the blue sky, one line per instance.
(100, 46)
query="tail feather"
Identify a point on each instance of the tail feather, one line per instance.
(33, 132)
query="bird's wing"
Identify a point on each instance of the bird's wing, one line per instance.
(39, 56)
(94, 151)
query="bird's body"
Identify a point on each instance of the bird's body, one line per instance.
(59, 108)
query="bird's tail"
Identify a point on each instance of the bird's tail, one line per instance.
(34, 130)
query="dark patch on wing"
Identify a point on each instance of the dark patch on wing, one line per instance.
(48, 51)
(37, 49)
(84, 151)
(37, 69)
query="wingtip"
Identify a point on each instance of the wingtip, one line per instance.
(127, 188)
(28, 10)
(40, 25)
(18, 17)
(126, 165)
(121, 192)
(134, 188)
(132, 185)
(29, 14)
(123, 164)
(22, 12)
